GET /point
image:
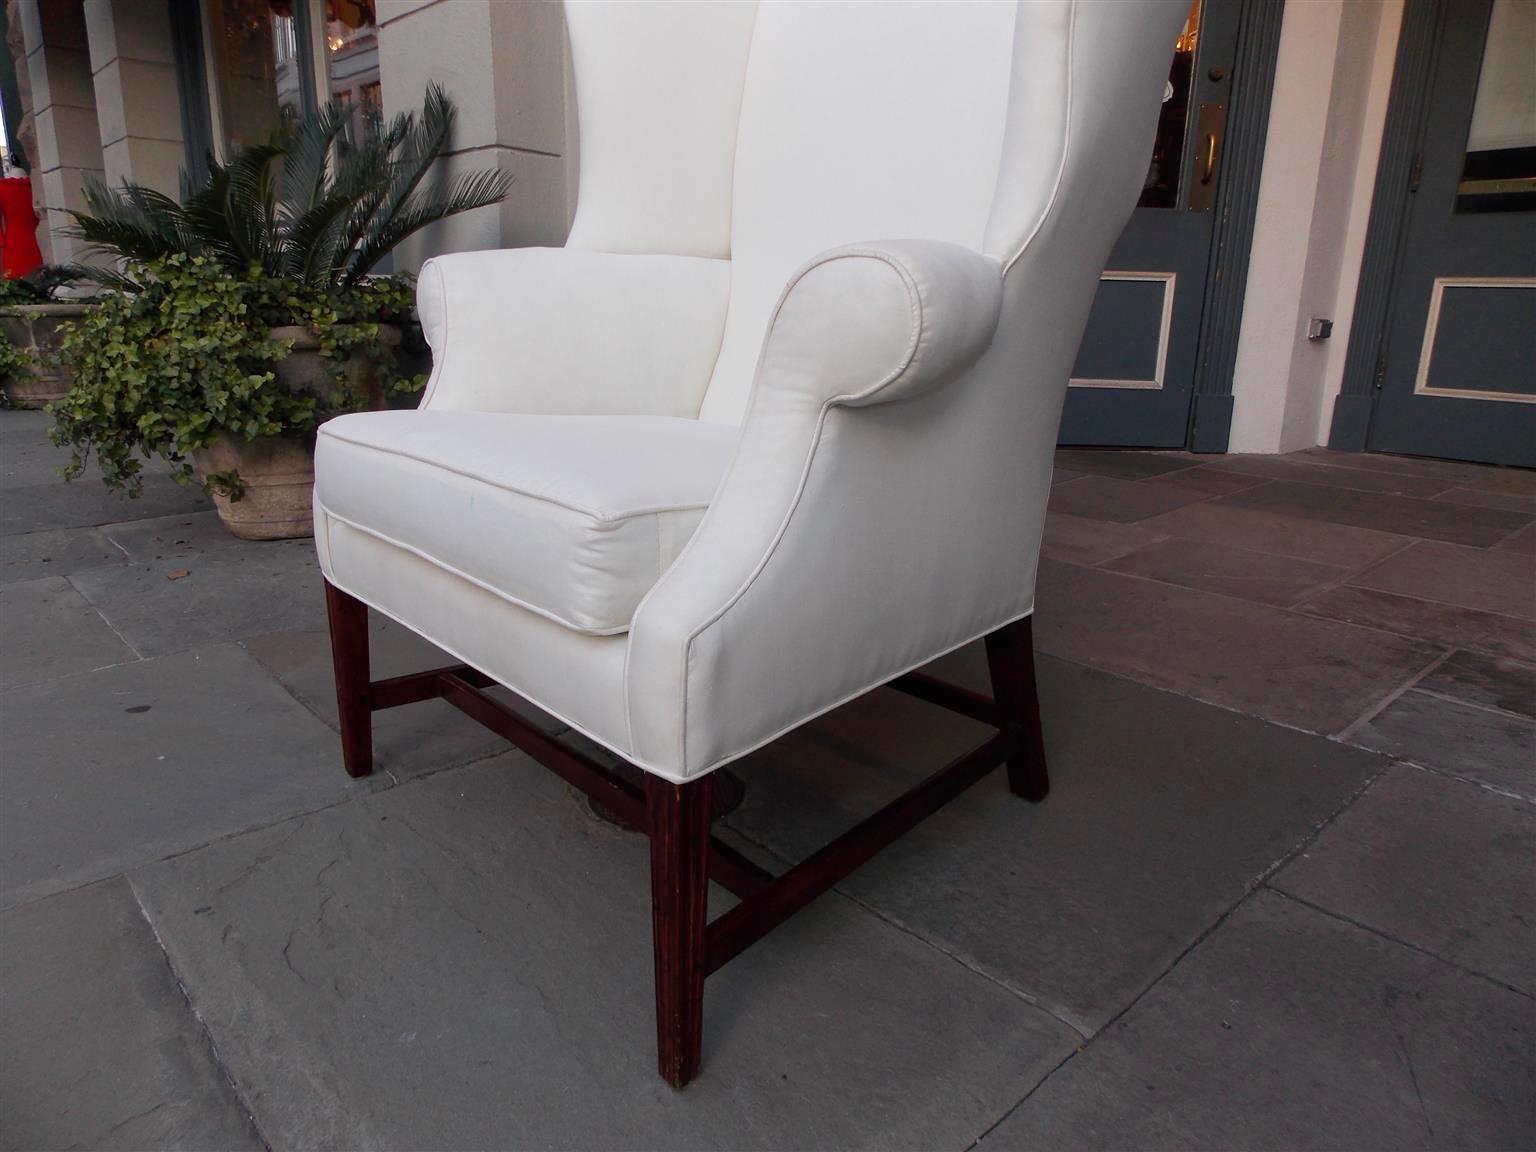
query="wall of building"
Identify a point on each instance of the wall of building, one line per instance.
(64, 109)
(138, 108)
(507, 67)
(1324, 137)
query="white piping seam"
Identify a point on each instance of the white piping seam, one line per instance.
(719, 762)
(1066, 147)
(457, 655)
(500, 594)
(914, 298)
(569, 506)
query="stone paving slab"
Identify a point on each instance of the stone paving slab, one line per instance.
(1495, 748)
(55, 504)
(1384, 512)
(1521, 541)
(48, 630)
(1288, 1029)
(1079, 540)
(1304, 471)
(115, 768)
(1487, 680)
(417, 738)
(27, 458)
(1308, 673)
(101, 1049)
(1231, 571)
(1440, 863)
(465, 962)
(172, 541)
(1479, 579)
(33, 555)
(1082, 901)
(223, 596)
(1274, 534)
(1442, 624)
(1122, 501)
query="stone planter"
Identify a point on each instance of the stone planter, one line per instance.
(277, 473)
(36, 329)
(305, 371)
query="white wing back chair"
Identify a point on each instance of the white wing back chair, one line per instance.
(774, 428)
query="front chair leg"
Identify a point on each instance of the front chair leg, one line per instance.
(1011, 659)
(349, 655)
(679, 819)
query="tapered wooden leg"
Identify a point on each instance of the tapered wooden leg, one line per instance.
(1011, 658)
(349, 655)
(679, 818)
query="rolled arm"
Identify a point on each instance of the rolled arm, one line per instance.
(564, 330)
(868, 344)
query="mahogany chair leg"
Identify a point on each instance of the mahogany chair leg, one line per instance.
(1011, 659)
(349, 654)
(679, 818)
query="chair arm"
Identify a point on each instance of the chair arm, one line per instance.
(827, 497)
(871, 323)
(570, 331)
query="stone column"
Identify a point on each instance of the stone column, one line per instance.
(137, 102)
(64, 107)
(507, 67)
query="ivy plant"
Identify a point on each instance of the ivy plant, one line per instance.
(188, 357)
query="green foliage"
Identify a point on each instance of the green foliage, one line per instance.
(14, 361)
(187, 358)
(313, 206)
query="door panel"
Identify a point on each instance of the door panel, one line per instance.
(1135, 371)
(1459, 375)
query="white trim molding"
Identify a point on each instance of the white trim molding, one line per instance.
(1421, 385)
(1169, 281)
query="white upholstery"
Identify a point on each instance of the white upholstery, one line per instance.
(919, 201)
(571, 517)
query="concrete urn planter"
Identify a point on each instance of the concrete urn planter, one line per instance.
(37, 329)
(277, 473)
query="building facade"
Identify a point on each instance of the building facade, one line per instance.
(1249, 307)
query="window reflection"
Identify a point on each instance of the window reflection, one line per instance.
(1499, 174)
(263, 72)
(1162, 187)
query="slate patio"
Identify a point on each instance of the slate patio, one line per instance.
(1283, 893)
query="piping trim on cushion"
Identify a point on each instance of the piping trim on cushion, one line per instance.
(593, 513)
(500, 593)
(678, 778)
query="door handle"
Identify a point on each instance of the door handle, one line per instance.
(1210, 122)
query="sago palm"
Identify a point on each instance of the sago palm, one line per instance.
(313, 206)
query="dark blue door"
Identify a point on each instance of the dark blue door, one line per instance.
(1458, 377)
(1135, 372)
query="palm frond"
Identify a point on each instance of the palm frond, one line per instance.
(464, 193)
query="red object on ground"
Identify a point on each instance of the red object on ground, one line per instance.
(19, 253)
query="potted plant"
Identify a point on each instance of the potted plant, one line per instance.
(33, 320)
(246, 314)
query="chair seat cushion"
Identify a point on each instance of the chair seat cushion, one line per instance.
(572, 517)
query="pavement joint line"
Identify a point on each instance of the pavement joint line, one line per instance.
(102, 616)
(1261, 883)
(1082, 1031)
(1448, 774)
(186, 994)
(1398, 940)
(1346, 733)
(1473, 704)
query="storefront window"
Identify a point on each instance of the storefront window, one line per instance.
(264, 64)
